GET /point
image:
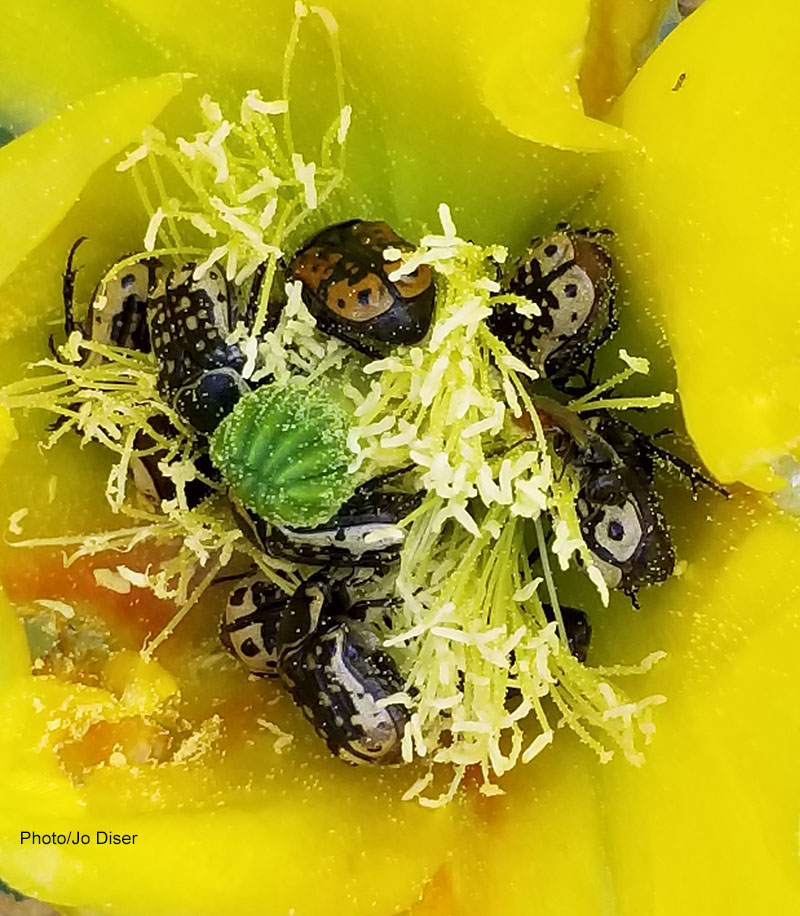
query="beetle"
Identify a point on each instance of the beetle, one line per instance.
(331, 663)
(567, 275)
(199, 372)
(625, 533)
(118, 309)
(183, 321)
(347, 288)
(620, 519)
(338, 674)
(147, 474)
(363, 533)
(577, 627)
(620, 514)
(618, 509)
(249, 626)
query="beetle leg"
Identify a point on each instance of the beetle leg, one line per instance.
(595, 233)
(577, 627)
(589, 371)
(695, 477)
(236, 577)
(68, 297)
(358, 610)
(577, 382)
(630, 592)
(610, 328)
(569, 457)
(506, 449)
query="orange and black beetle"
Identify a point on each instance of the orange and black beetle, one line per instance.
(347, 289)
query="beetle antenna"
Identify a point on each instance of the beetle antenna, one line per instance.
(375, 482)
(685, 469)
(255, 294)
(68, 287)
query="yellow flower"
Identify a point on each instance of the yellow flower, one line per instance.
(478, 106)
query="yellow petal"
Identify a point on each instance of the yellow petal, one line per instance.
(43, 172)
(220, 832)
(238, 43)
(719, 785)
(707, 213)
(14, 656)
(542, 846)
(530, 82)
(57, 51)
(616, 44)
(488, 46)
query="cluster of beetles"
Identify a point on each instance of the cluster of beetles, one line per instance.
(318, 641)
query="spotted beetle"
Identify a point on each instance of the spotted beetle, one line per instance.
(117, 311)
(199, 373)
(338, 674)
(618, 509)
(184, 321)
(625, 532)
(147, 465)
(363, 533)
(628, 533)
(346, 286)
(567, 277)
(249, 626)
(331, 663)
(577, 627)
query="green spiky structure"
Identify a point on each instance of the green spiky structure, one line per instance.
(283, 452)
